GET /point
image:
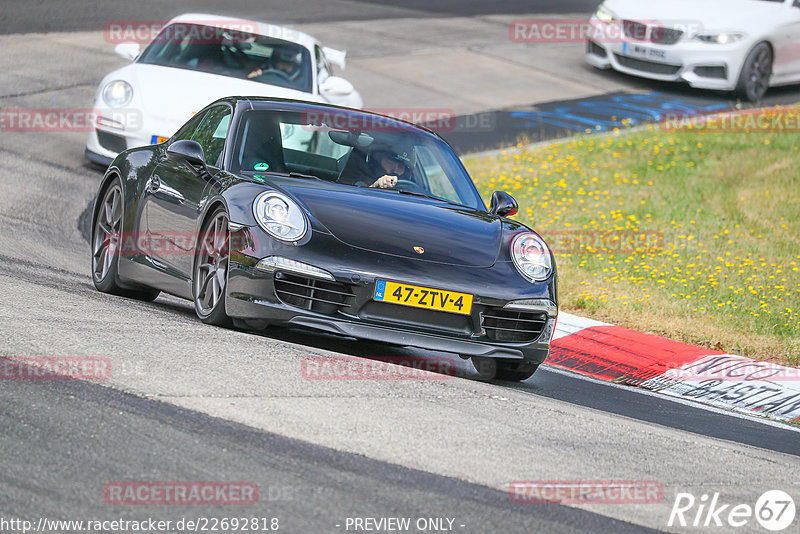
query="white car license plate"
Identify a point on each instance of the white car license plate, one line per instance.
(643, 52)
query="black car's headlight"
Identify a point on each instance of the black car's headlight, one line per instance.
(531, 257)
(279, 216)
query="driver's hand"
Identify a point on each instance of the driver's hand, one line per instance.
(255, 73)
(385, 182)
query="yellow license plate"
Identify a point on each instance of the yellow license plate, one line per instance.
(157, 139)
(423, 297)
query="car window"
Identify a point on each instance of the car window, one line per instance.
(298, 138)
(212, 132)
(323, 69)
(187, 130)
(353, 149)
(435, 177)
(233, 53)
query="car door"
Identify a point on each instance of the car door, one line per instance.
(174, 195)
(786, 44)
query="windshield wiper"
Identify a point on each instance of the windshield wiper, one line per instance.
(289, 174)
(307, 176)
(418, 194)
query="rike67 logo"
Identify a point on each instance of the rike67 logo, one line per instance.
(774, 510)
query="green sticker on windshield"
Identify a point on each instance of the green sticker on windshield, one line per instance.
(259, 178)
(261, 166)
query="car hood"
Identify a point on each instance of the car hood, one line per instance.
(707, 14)
(391, 223)
(171, 96)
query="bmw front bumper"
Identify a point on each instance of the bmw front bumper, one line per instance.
(701, 65)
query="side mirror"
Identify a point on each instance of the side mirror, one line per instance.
(337, 57)
(127, 50)
(503, 204)
(336, 87)
(339, 91)
(187, 151)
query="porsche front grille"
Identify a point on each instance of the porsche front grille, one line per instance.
(512, 326)
(311, 294)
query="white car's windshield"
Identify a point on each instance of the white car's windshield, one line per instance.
(352, 148)
(231, 53)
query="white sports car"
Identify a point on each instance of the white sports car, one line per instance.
(196, 59)
(744, 46)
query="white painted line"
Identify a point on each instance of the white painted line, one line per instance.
(733, 412)
(569, 324)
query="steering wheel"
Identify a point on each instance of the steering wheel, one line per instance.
(408, 185)
(279, 72)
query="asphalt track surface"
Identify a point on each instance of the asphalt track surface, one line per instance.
(306, 487)
(188, 402)
(25, 16)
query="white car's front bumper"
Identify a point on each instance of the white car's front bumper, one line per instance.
(702, 65)
(120, 130)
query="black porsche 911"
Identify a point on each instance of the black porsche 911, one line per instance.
(265, 211)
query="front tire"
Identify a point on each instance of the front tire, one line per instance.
(210, 274)
(504, 369)
(755, 74)
(106, 234)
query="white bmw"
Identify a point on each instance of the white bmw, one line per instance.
(196, 59)
(744, 46)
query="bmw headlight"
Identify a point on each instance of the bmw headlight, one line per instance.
(531, 257)
(603, 14)
(279, 216)
(719, 37)
(117, 93)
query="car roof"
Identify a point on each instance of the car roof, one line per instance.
(248, 25)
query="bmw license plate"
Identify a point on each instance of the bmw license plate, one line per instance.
(643, 52)
(423, 297)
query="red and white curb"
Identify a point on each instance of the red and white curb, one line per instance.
(624, 356)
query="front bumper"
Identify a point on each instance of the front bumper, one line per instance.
(131, 129)
(701, 65)
(346, 306)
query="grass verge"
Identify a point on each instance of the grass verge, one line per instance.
(693, 234)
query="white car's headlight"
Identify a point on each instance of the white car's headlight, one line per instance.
(279, 216)
(531, 257)
(117, 93)
(719, 37)
(603, 14)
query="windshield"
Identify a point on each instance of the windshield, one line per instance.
(231, 53)
(355, 149)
